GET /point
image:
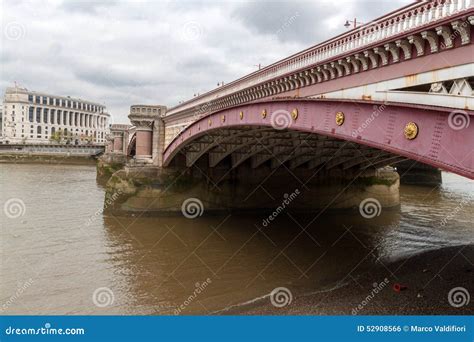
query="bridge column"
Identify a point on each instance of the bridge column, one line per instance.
(149, 129)
(144, 136)
(158, 142)
(118, 134)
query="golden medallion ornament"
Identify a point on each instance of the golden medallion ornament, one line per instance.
(339, 118)
(411, 130)
(223, 118)
(264, 113)
(241, 114)
(294, 114)
(210, 122)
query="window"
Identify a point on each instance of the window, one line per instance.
(53, 130)
(45, 115)
(30, 98)
(45, 100)
(38, 132)
(53, 112)
(38, 114)
(58, 117)
(37, 99)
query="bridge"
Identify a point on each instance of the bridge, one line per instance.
(398, 88)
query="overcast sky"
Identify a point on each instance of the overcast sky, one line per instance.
(159, 52)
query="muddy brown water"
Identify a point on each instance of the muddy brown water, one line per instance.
(61, 255)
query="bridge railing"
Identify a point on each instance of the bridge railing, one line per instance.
(411, 17)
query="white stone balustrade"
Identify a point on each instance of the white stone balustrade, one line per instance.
(406, 19)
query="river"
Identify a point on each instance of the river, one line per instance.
(61, 255)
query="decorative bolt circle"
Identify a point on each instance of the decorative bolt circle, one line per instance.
(340, 118)
(223, 118)
(411, 130)
(241, 114)
(210, 122)
(264, 113)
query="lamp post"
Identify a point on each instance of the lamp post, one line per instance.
(354, 23)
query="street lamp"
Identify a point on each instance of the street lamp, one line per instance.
(354, 22)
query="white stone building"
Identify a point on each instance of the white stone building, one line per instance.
(36, 118)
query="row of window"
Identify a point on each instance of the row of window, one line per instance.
(52, 101)
(61, 117)
(144, 110)
(65, 134)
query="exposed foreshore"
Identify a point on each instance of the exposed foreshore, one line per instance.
(417, 285)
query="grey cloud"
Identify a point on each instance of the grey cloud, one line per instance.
(286, 21)
(125, 52)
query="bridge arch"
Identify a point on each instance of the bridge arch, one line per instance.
(327, 133)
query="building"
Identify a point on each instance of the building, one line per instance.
(36, 118)
(1, 120)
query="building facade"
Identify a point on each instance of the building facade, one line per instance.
(36, 118)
